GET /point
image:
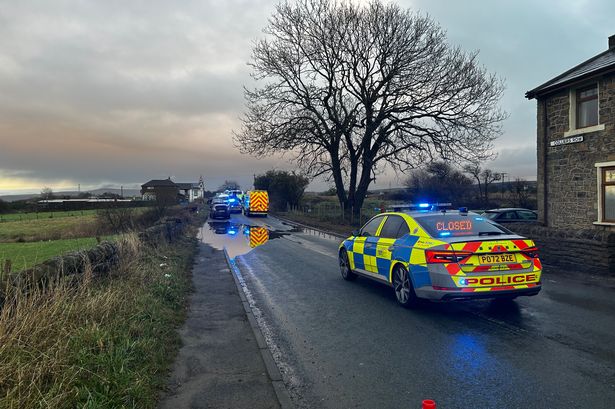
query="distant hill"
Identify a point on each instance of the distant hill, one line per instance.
(127, 193)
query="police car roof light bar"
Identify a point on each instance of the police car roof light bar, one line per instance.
(420, 206)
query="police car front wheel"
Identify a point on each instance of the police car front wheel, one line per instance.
(345, 270)
(404, 291)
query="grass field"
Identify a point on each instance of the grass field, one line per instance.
(11, 217)
(48, 229)
(99, 344)
(26, 227)
(27, 240)
(24, 255)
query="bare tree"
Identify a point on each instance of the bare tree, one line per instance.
(521, 193)
(349, 90)
(229, 185)
(47, 193)
(484, 178)
(439, 182)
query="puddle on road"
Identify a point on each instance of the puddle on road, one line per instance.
(236, 238)
(240, 238)
(312, 232)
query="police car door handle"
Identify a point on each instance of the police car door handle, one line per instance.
(391, 248)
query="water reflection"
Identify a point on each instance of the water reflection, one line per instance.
(236, 238)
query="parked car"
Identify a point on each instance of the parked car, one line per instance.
(235, 198)
(219, 207)
(511, 215)
(442, 255)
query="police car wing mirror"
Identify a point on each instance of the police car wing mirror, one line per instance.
(356, 233)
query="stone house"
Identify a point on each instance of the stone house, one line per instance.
(170, 192)
(576, 160)
(191, 191)
(164, 191)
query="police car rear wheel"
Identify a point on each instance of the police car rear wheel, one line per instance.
(347, 273)
(404, 292)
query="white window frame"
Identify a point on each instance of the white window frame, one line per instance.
(599, 167)
(572, 113)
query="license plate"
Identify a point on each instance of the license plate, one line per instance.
(497, 258)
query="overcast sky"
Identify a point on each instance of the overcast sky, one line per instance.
(118, 92)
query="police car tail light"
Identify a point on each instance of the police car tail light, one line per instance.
(445, 256)
(531, 252)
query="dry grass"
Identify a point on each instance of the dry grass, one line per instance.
(96, 343)
(26, 255)
(71, 225)
(48, 229)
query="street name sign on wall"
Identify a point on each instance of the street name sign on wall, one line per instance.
(566, 141)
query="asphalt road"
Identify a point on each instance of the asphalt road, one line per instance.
(345, 344)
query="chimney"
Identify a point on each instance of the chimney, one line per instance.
(612, 42)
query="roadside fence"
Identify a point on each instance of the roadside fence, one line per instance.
(330, 211)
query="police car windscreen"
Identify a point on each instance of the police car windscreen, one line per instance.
(454, 225)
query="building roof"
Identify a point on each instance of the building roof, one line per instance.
(599, 64)
(159, 183)
(186, 186)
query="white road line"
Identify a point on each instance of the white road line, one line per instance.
(291, 380)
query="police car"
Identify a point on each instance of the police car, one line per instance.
(425, 251)
(235, 197)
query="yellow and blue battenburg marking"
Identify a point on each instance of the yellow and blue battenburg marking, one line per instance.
(473, 265)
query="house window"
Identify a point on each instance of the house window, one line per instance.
(608, 194)
(587, 106)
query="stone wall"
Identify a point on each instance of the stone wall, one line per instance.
(571, 175)
(100, 259)
(585, 250)
(168, 230)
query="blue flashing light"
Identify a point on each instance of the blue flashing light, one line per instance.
(480, 219)
(445, 234)
(463, 281)
(232, 232)
(423, 205)
(232, 200)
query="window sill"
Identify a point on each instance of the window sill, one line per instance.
(604, 223)
(581, 131)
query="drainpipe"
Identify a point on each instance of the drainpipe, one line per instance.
(544, 162)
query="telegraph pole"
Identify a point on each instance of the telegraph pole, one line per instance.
(504, 174)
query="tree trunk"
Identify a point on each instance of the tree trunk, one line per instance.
(336, 170)
(364, 182)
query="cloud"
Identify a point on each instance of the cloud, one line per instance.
(517, 162)
(115, 92)
(99, 92)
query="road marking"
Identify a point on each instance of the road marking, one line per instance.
(289, 378)
(309, 245)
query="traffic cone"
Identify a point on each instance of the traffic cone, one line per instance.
(429, 404)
